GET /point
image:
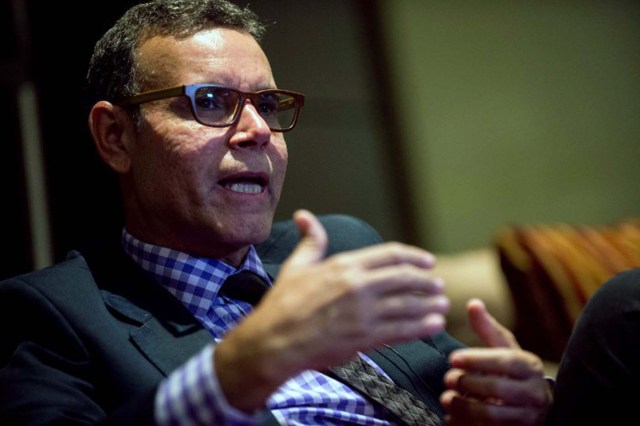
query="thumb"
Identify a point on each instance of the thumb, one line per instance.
(492, 333)
(313, 240)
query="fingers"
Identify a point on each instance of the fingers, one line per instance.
(408, 315)
(498, 361)
(402, 278)
(353, 301)
(411, 306)
(313, 240)
(492, 333)
(467, 411)
(399, 330)
(383, 268)
(529, 391)
(495, 386)
(390, 254)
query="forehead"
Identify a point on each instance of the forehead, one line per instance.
(220, 55)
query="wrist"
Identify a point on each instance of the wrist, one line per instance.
(241, 360)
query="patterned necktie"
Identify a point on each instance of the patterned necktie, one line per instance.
(401, 404)
(406, 408)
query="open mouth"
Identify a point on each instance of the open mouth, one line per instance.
(245, 184)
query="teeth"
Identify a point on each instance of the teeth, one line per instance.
(247, 188)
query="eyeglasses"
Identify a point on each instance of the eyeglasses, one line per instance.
(219, 106)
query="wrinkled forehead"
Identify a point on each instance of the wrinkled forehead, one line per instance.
(220, 55)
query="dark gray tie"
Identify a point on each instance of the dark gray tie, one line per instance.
(244, 285)
(406, 408)
(401, 404)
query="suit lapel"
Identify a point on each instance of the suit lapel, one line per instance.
(166, 341)
(166, 350)
(159, 326)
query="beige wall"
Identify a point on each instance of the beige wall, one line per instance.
(336, 153)
(516, 111)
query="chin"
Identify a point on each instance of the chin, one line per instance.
(252, 230)
(253, 238)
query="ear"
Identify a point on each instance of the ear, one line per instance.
(113, 132)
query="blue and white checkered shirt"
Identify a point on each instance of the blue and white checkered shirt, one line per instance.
(191, 395)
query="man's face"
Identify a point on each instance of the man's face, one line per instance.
(204, 190)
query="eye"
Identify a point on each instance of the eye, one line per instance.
(210, 100)
(215, 105)
(268, 105)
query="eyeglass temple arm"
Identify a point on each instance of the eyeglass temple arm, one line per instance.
(152, 95)
(290, 102)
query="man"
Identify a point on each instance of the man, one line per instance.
(189, 116)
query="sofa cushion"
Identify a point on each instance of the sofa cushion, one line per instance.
(552, 270)
(469, 274)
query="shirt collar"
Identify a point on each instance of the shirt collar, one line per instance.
(195, 281)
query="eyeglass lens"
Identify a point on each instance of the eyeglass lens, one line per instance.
(219, 106)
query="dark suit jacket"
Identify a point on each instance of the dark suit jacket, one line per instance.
(88, 340)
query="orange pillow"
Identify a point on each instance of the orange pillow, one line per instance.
(552, 270)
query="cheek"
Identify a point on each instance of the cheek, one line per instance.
(280, 161)
(178, 163)
(189, 171)
(282, 157)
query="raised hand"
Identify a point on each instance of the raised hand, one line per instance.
(497, 385)
(321, 311)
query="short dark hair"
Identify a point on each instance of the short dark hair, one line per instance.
(113, 71)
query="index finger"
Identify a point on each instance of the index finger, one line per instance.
(498, 361)
(389, 254)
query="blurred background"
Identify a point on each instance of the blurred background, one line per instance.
(436, 122)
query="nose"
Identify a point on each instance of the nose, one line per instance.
(251, 129)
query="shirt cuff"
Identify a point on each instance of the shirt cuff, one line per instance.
(192, 395)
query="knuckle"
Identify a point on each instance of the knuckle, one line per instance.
(496, 389)
(405, 271)
(540, 398)
(339, 263)
(534, 364)
(509, 335)
(396, 251)
(526, 364)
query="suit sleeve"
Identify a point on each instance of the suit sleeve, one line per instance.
(600, 368)
(47, 375)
